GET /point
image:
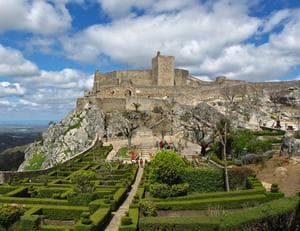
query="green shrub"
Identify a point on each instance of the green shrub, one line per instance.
(133, 213)
(274, 188)
(9, 214)
(148, 208)
(83, 180)
(179, 189)
(200, 204)
(63, 212)
(204, 179)
(167, 168)
(126, 221)
(100, 218)
(122, 152)
(160, 190)
(238, 177)
(275, 215)
(179, 223)
(30, 222)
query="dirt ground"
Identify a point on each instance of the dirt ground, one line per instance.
(280, 170)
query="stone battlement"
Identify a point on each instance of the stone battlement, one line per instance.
(118, 90)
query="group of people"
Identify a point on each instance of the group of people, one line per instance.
(137, 159)
(164, 145)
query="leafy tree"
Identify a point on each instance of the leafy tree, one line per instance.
(9, 214)
(167, 168)
(83, 181)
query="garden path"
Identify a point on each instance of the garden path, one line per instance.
(116, 220)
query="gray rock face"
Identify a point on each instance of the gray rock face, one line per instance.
(290, 145)
(70, 136)
(291, 97)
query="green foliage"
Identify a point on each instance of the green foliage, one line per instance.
(238, 177)
(63, 212)
(83, 181)
(122, 152)
(35, 162)
(204, 179)
(9, 214)
(200, 204)
(148, 208)
(216, 159)
(133, 213)
(30, 222)
(179, 224)
(276, 215)
(126, 221)
(268, 133)
(167, 168)
(243, 141)
(160, 190)
(274, 188)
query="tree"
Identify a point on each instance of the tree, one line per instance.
(136, 106)
(130, 122)
(223, 130)
(198, 131)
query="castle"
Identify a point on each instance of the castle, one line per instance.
(120, 90)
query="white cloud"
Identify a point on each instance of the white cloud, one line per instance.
(12, 63)
(65, 79)
(8, 89)
(191, 34)
(275, 19)
(37, 16)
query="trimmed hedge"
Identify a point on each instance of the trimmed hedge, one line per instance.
(119, 197)
(63, 212)
(100, 218)
(133, 213)
(41, 201)
(54, 228)
(204, 179)
(30, 222)
(276, 215)
(227, 203)
(180, 224)
(198, 196)
(18, 192)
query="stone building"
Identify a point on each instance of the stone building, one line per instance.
(120, 90)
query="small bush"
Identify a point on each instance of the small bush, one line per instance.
(167, 168)
(160, 190)
(274, 188)
(148, 208)
(9, 214)
(179, 189)
(126, 221)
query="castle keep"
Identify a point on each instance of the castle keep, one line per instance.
(120, 90)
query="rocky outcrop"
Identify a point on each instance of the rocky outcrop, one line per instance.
(70, 136)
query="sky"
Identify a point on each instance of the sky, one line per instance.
(50, 49)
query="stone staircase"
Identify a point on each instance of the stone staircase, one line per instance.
(147, 152)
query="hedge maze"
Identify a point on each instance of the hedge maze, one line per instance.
(78, 195)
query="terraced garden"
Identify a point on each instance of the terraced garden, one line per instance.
(78, 195)
(244, 208)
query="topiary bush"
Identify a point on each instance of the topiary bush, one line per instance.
(167, 168)
(148, 208)
(83, 180)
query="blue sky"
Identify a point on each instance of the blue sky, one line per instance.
(50, 49)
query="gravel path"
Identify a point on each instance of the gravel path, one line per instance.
(116, 220)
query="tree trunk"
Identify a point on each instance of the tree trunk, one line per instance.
(225, 160)
(129, 141)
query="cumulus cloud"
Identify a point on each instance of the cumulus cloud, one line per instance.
(12, 63)
(9, 89)
(190, 35)
(37, 16)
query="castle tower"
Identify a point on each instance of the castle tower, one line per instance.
(163, 70)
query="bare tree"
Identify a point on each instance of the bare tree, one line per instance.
(130, 122)
(136, 106)
(199, 131)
